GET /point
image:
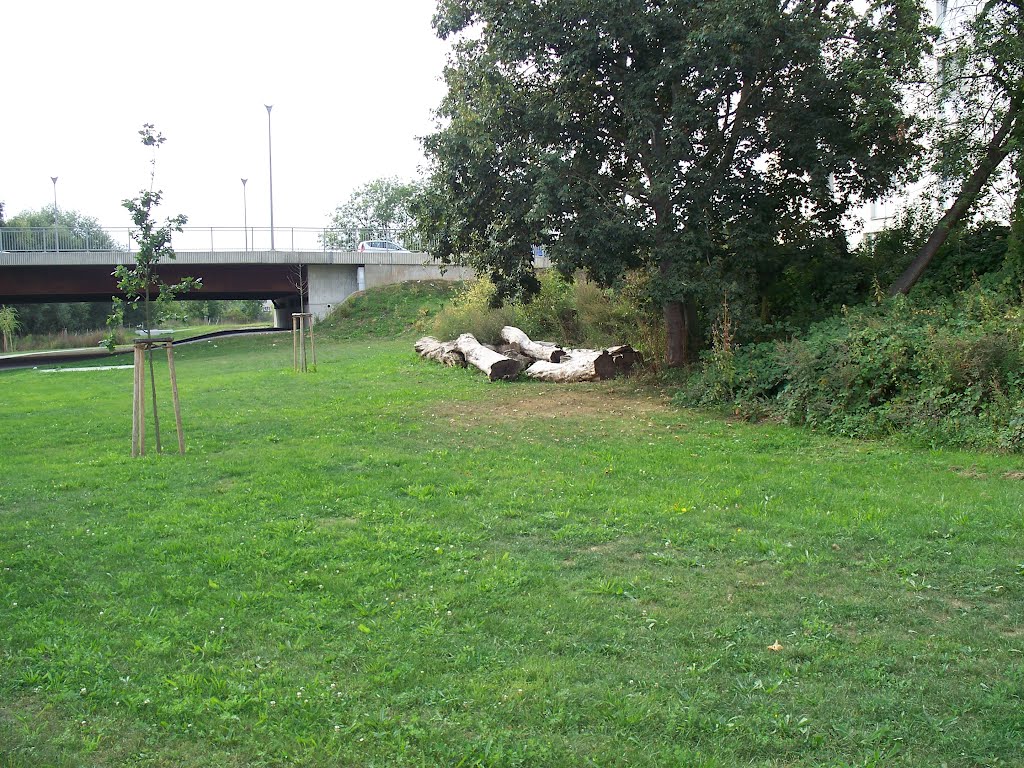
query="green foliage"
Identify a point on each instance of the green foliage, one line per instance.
(34, 230)
(683, 138)
(569, 312)
(473, 312)
(973, 251)
(944, 374)
(154, 239)
(63, 317)
(377, 209)
(9, 326)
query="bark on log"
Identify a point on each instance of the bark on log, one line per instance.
(577, 365)
(443, 352)
(495, 365)
(538, 350)
(513, 351)
(625, 357)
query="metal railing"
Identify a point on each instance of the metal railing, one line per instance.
(212, 239)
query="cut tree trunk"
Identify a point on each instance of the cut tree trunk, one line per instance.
(494, 364)
(577, 365)
(538, 350)
(625, 357)
(443, 352)
(513, 351)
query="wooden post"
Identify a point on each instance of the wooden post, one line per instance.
(312, 343)
(302, 325)
(174, 395)
(295, 343)
(139, 401)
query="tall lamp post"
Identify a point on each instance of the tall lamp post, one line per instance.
(245, 216)
(270, 157)
(56, 241)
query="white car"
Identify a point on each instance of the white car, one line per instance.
(380, 246)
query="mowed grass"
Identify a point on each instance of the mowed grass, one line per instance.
(389, 563)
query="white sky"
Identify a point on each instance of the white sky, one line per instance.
(352, 84)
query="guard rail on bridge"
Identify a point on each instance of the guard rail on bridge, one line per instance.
(213, 239)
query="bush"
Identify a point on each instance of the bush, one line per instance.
(945, 374)
(572, 313)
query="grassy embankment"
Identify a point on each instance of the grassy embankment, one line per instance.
(386, 562)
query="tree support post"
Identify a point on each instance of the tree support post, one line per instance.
(141, 347)
(302, 326)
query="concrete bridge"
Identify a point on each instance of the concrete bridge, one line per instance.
(76, 270)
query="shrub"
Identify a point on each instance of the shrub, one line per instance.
(572, 313)
(944, 374)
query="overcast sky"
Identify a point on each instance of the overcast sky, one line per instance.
(352, 86)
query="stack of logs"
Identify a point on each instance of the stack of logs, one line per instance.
(538, 359)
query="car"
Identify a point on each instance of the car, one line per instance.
(380, 246)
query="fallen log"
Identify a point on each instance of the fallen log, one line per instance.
(494, 364)
(513, 351)
(538, 350)
(625, 357)
(443, 352)
(578, 365)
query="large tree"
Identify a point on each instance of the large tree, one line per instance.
(34, 230)
(378, 209)
(678, 136)
(979, 90)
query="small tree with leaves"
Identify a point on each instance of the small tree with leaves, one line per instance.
(9, 325)
(140, 282)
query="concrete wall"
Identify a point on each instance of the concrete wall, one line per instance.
(386, 274)
(329, 285)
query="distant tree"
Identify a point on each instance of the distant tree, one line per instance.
(981, 87)
(33, 230)
(76, 232)
(676, 136)
(378, 209)
(1, 214)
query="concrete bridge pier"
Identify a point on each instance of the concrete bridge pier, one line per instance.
(283, 309)
(327, 286)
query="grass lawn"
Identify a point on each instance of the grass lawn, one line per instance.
(386, 562)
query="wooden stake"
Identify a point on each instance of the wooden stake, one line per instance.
(174, 395)
(312, 343)
(135, 403)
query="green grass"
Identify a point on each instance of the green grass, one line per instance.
(387, 562)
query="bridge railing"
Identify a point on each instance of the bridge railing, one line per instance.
(297, 239)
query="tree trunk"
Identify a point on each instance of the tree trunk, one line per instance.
(998, 149)
(443, 352)
(625, 358)
(538, 350)
(577, 365)
(495, 365)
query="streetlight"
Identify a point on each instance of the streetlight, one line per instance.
(245, 216)
(270, 157)
(56, 241)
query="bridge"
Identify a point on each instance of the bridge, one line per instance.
(312, 269)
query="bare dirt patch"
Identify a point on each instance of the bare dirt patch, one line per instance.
(557, 402)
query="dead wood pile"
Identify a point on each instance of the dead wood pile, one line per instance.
(538, 359)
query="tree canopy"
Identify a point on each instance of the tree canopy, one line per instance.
(979, 93)
(378, 209)
(75, 231)
(682, 138)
